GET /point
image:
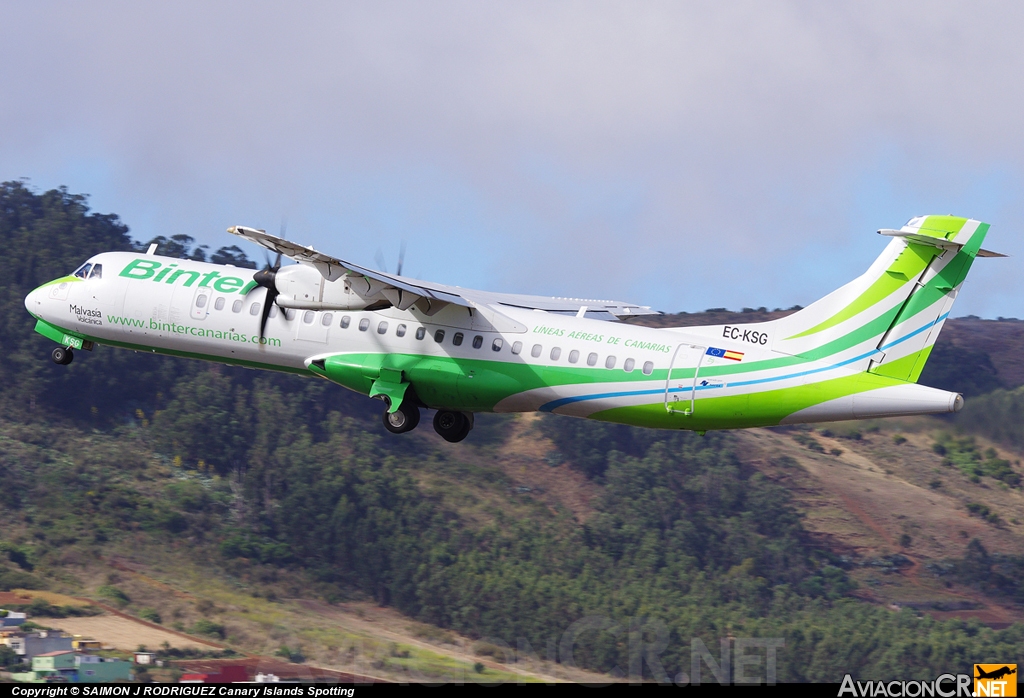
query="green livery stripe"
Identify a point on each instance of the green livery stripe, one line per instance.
(945, 227)
(908, 267)
(911, 262)
(62, 280)
(873, 328)
(907, 368)
(762, 409)
(474, 384)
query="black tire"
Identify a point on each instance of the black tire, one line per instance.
(62, 356)
(452, 426)
(402, 420)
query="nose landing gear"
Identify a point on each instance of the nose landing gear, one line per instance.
(62, 356)
(452, 426)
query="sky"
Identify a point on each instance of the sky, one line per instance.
(678, 155)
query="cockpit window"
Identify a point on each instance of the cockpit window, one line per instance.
(83, 271)
(97, 271)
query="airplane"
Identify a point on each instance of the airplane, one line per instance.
(996, 673)
(856, 353)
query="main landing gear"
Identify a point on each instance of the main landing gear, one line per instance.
(404, 419)
(62, 356)
(453, 426)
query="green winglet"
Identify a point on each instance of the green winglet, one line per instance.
(390, 385)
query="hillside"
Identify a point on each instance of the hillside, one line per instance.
(270, 513)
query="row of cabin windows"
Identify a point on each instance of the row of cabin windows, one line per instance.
(457, 339)
(236, 307)
(574, 356)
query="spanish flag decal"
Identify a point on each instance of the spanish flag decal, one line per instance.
(725, 353)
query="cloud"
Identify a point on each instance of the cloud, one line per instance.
(681, 155)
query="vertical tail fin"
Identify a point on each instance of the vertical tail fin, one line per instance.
(899, 305)
(908, 342)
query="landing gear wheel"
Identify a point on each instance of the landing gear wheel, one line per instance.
(62, 356)
(404, 419)
(452, 426)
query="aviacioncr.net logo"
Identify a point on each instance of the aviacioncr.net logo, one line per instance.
(945, 686)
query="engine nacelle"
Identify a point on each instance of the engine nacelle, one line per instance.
(303, 287)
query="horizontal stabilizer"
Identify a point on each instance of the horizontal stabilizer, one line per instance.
(940, 242)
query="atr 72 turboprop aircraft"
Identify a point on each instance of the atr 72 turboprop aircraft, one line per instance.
(855, 353)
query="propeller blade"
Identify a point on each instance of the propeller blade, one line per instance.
(268, 303)
(266, 278)
(401, 258)
(380, 261)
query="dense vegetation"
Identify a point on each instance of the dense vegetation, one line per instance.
(257, 472)
(996, 415)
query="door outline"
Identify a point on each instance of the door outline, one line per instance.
(670, 404)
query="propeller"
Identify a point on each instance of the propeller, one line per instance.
(384, 265)
(265, 278)
(401, 259)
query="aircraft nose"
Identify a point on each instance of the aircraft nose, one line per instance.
(35, 301)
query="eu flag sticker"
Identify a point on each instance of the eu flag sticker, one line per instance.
(725, 354)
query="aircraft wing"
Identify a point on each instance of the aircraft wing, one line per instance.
(404, 292)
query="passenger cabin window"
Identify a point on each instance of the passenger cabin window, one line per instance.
(219, 304)
(517, 347)
(628, 366)
(82, 271)
(364, 324)
(537, 349)
(555, 353)
(400, 331)
(457, 339)
(439, 336)
(592, 360)
(201, 301)
(497, 344)
(236, 307)
(327, 319)
(308, 317)
(289, 313)
(648, 368)
(609, 362)
(254, 309)
(478, 342)
(574, 356)
(345, 322)
(273, 311)
(97, 271)
(382, 328)
(421, 332)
